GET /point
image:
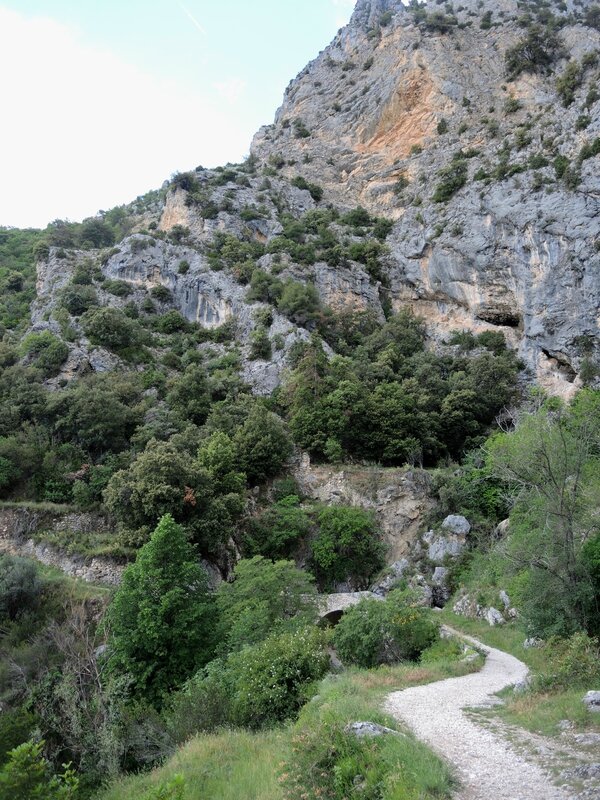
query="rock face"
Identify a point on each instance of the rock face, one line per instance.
(18, 529)
(388, 105)
(592, 701)
(399, 498)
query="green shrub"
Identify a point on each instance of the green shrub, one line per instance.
(571, 663)
(568, 83)
(300, 130)
(184, 267)
(118, 288)
(536, 52)
(260, 344)
(316, 192)
(453, 177)
(77, 299)
(347, 547)
(27, 776)
(442, 126)
(16, 727)
(110, 328)
(161, 293)
(278, 531)
(299, 302)
(512, 105)
(46, 351)
(376, 632)
(20, 586)
(171, 790)
(161, 620)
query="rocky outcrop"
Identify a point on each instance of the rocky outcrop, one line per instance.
(382, 111)
(399, 498)
(21, 534)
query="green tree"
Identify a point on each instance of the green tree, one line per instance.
(20, 586)
(263, 444)
(551, 462)
(265, 598)
(110, 328)
(279, 530)
(28, 776)
(161, 621)
(45, 351)
(347, 547)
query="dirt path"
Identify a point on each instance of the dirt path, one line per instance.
(486, 764)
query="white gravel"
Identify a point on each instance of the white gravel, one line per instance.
(486, 765)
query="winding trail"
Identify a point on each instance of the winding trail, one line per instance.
(486, 764)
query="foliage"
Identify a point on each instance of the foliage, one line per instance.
(263, 443)
(571, 663)
(45, 351)
(453, 177)
(278, 530)
(110, 328)
(568, 83)
(551, 463)
(161, 620)
(316, 192)
(264, 598)
(20, 586)
(536, 52)
(260, 344)
(27, 776)
(346, 547)
(375, 632)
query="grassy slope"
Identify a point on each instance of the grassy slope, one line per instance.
(238, 765)
(537, 711)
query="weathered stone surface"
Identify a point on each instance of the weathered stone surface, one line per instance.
(456, 524)
(494, 617)
(341, 601)
(441, 548)
(505, 599)
(398, 497)
(592, 701)
(501, 254)
(369, 730)
(533, 641)
(394, 572)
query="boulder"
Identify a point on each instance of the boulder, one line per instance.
(505, 599)
(442, 547)
(592, 701)
(456, 524)
(394, 572)
(369, 730)
(533, 641)
(493, 617)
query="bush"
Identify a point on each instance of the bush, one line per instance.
(110, 328)
(264, 445)
(316, 192)
(78, 299)
(161, 293)
(277, 532)
(46, 351)
(571, 663)
(260, 344)
(117, 288)
(264, 598)
(453, 177)
(376, 632)
(299, 302)
(536, 52)
(347, 547)
(256, 687)
(27, 776)
(442, 126)
(20, 586)
(568, 83)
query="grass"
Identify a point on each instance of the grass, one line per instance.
(240, 765)
(536, 710)
(88, 545)
(226, 766)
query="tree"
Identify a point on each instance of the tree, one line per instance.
(27, 776)
(265, 598)
(551, 464)
(189, 395)
(110, 328)
(263, 443)
(277, 532)
(536, 52)
(162, 480)
(347, 547)
(46, 351)
(161, 621)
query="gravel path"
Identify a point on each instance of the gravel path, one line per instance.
(487, 766)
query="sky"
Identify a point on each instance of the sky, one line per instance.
(102, 100)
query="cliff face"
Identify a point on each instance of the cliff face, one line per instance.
(518, 251)
(492, 181)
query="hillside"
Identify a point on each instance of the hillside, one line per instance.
(364, 363)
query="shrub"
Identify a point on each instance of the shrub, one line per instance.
(171, 322)
(512, 105)
(110, 328)
(376, 632)
(184, 267)
(316, 192)
(46, 351)
(278, 531)
(347, 547)
(453, 177)
(536, 52)
(568, 83)
(77, 299)
(299, 302)
(27, 776)
(300, 130)
(118, 288)
(161, 293)
(571, 663)
(264, 445)
(16, 727)
(442, 126)
(264, 598)
(260, 345)
(20, 586)
(357, 218)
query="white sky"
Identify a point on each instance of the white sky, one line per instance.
(83, 129)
